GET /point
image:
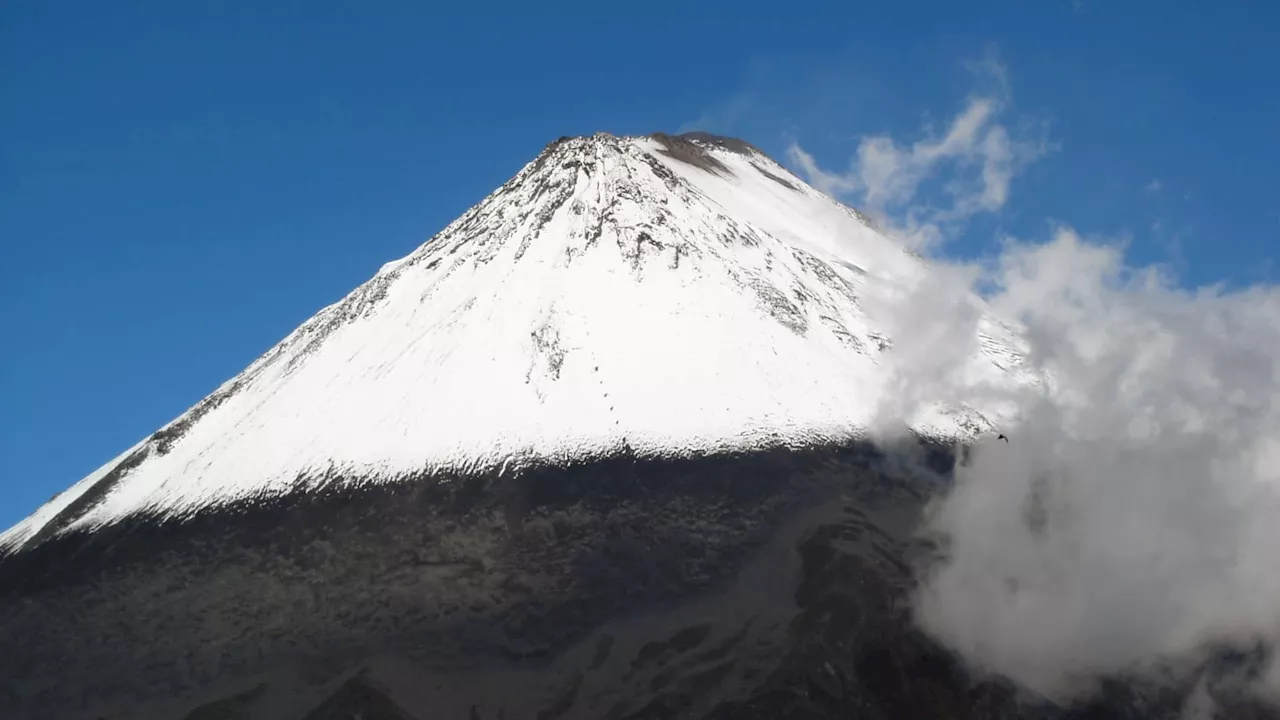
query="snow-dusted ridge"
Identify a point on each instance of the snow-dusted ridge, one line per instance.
(665, 295)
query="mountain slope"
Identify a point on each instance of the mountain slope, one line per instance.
(660, 295)
(593, 451)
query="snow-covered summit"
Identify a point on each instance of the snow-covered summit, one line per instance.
(659, 294)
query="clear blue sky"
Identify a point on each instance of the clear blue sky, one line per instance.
(181, 184)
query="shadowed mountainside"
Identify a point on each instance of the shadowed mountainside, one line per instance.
(754, 585)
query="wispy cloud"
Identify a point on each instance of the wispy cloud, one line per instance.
(979, 154)
(725, 117)
(1170, 238)
(830, 183)
(1154, 186)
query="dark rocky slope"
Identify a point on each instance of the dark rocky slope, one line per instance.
(765, 585)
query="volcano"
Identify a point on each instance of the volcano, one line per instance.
(665, 296)
(601, 448)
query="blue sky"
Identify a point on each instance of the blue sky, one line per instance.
(181, 184)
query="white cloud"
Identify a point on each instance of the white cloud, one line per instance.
(1131, 519)
(1131, 523)
(1154, 186)
(979, 151)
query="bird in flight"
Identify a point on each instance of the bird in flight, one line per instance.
(1002, 437)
